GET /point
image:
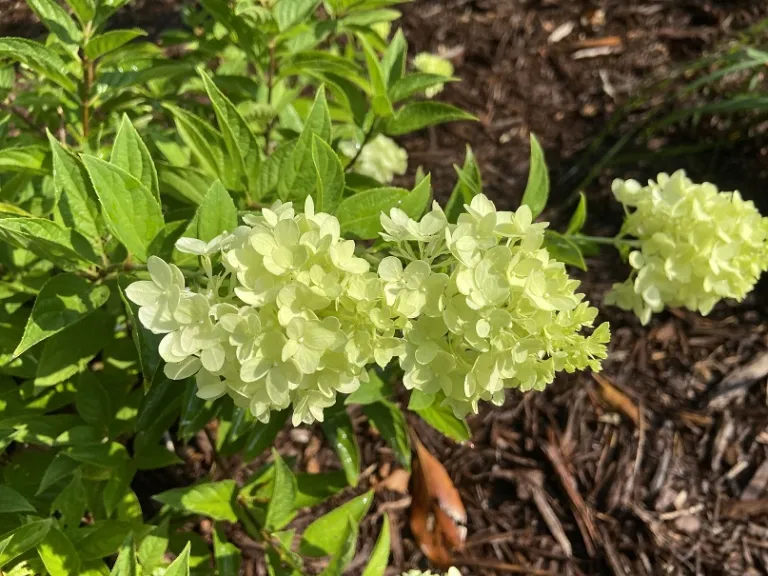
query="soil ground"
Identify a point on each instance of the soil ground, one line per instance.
(660, 464)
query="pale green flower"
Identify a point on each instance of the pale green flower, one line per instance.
(380, 159)
(697, 245)
(487, 308)
(433, 64)
(159, 297)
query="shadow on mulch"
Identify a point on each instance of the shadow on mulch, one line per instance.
(659, 466)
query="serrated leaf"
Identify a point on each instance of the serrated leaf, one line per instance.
(180, 566)
(56, 19)
(185, 183)
(212, 499)
(227, 555)
(25, 159)
(11, 501)
(152, 549)
(110, 456)
(64, 300)
(442, 419)
(537, 190)
(58, 554)
(380, 556)
(415, 84)
(240, 141)
(66, 248)
(290, 12)
(340, 433)
(39, 58)
(22, 539)
(381, 104)
(563, 249)
(83, 9)
(579, 216)
(59, 468)
(216, 214)
(146, 343)
(417, 115)
(130, 153)
(76, 208)
(101, 539)
(322, 536)
(69, 351)
(361, 214)
(71, 502)
(130, 209)
(269, 176)
(390, 422)
(345, 550)
(126, 564)
(280, 509)
(330, 176)
(103, 44)
(393, 63)
(468, 185)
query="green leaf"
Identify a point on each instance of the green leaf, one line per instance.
(101, 539)
(341, 435)
(280, 510)
(263, 435)
(77, 207)
(109, 456)
(69, 351)
(287, 13)
(66, 248)
(390, 422)
(152, 548)
(564, 249)
(322, 536)
(380, 555)
(420, 400)
(212, 499)
(537, 190)
(417, 115)
(361, 214)
(369, 392)
(117, 485)
(130, 153)
(58, 554)
(22, 539)
(180, 566)
(71, 502)
(415, 84)
(29, 159)
(126, 564)
(56, 19)
(312, 489)
(418, 199)
(39, 58)
(146, 343)
(83, 9)
(579, 217)
(393, 62)
(442, 419)
(240, 142)
(11, 501)
(345, 550)
(130, 209)
(195, 412)
(216, 214)
(59, 468)
(92, 401)
(468, 185)
(330, 176)
(63, 300)
(381, 104)
(298, 177)
(269, 176)
(105, 43)
(227, 555)
(185, 183)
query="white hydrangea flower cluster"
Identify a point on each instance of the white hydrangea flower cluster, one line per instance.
(294, 318)
(452, 571)
(380, 159)
(433, 64)
(484, 306)
(697, 245)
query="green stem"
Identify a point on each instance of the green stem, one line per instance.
(617, 242)
(366, 139)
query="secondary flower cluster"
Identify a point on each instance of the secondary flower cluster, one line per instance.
(295, 317)
(696, 245)
(433, 64)
(486, 306)
(380, 159)
(451, 572)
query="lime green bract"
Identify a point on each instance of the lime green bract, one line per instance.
(433, 64)
(697, 245)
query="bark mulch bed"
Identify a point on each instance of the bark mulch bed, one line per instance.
(658, 465)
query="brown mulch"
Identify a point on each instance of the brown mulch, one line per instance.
(658, 465)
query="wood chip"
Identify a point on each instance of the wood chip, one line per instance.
(397, 481)
(757, 484)
(741, 510)
(561, 32)
(737, 382)
(595, 52)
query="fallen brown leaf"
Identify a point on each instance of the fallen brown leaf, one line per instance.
(616, 399)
